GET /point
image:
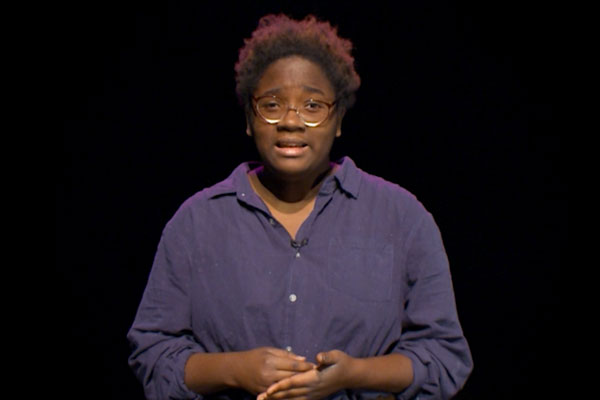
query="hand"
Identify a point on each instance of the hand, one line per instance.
(332, 374)
(259, 368)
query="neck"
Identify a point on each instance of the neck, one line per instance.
(288, 191)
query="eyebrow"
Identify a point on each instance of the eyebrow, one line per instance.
(313, 90)
(309, 89)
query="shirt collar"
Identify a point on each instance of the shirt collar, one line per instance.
(237, 184)
(347, 178)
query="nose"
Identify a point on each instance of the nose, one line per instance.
(291, 120)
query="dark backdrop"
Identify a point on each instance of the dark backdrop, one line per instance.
(454, 106)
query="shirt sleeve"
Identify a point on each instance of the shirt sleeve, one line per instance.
(432, 336)
(161, 335)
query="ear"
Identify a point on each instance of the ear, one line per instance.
(248, 127)
(340, 117)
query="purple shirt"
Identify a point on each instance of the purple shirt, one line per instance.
(367, 274)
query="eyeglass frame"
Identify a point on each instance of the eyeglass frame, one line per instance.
(308, 124)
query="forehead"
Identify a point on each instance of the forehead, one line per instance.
(294, 74)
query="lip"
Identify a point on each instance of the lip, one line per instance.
(291, 147)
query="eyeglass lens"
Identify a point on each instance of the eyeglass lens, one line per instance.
(274, 109)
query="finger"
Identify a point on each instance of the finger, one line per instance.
(295, 393)
(285, 354)
(285, 389)
(281, 375)
(295, 381)
(294, 365)
(262, 396)
(327, 357)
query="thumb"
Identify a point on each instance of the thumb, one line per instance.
(328, 357)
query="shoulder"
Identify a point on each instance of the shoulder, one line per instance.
(205, 202)
(388, 206)
(359, 183)
(376, 185)
(375, 189)
(390, 202)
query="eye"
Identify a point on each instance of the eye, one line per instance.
(270, 105)
(314, 106)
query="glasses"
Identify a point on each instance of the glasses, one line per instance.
(312, 112)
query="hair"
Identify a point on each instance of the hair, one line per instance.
(279, 36)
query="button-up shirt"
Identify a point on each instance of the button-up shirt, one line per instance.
(366, 274)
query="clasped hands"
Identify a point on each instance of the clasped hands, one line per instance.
(277, 374)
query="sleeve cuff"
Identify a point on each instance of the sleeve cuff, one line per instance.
(181, 390)
(419, 375)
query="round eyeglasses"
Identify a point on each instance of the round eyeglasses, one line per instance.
(312, 112)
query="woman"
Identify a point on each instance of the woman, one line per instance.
(298, 276)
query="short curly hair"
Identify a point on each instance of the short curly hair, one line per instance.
(279, 36)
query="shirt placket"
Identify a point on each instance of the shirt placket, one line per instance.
(296, 266)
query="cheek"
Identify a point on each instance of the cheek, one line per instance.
(260, 137)
(328, 139)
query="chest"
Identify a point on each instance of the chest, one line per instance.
(265, 292)
(291, 222)
(251, 287)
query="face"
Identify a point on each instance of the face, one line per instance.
(289, 148)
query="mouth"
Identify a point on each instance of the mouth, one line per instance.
(284, 144)
(290, 148)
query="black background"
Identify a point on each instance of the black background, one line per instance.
(454, 106)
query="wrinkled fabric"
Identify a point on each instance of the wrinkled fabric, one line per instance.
(367, 274)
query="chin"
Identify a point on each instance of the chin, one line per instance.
(289, 171)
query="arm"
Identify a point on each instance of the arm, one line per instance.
(431, 359)
(253, 370)
(167, 358)
(388, 373)
(161, 335)
(432, 336)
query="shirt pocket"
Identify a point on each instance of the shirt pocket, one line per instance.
(361, 268)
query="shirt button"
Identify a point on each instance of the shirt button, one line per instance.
(293, 297)
(288, 348)
(243, 194)
(272, 221)
(297, 254)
